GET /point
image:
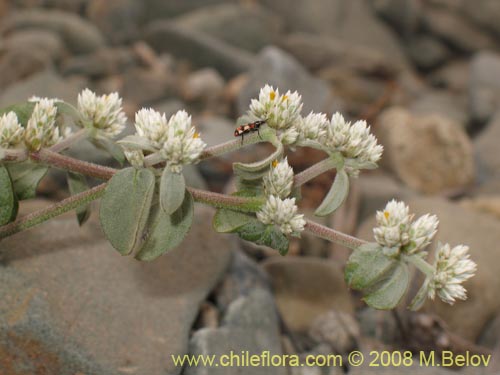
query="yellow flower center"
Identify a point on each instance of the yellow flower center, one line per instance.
(272, 95)
(196, 135)
(275, 163)
(386, 214)
(285, 97)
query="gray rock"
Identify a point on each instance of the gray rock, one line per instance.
(169, 106)
(456, 30)
(79, 35)
(251, 324)
(75, 6)
(306, 288)
(200, 49)
(453, 76)
(278, 68)
(247, 26)
(32, 40)
(484, 86)
(486, 147)
(404, 15)
(72, 305)
(118, 20)
(144, 86)
(485, 13)
(479, 231)
(379, 324)
(444, 103)
(19, 64)
(427, 52)
(203, 85)
(156, 9)
(340, 19)
(429, 153)
(46, 83)
(339, 330)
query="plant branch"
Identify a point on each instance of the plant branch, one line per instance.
(226, 201)
(14, 155)
(67, 142)
(333, 235)
(52, 211)
(314, 171)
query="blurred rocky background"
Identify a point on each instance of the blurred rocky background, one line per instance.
(424, 73)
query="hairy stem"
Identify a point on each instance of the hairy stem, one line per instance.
(67, 142)
(333, 235)
(314, 171)
(52, 211)
(14, 155)
(421, 264)
(226, 201)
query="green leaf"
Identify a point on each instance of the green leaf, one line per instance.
(390, 292)
(267, 235)
(227, 221)
(111, 147)
(78, 184)
(336, 196)
(167, 231)
(172, 190)
(249, 187)
(367, 265)
(125, 207)
(22, 110)
(25, 178)
(8, 201)
(261, 165)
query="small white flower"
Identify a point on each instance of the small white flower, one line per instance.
(183, 144)
(288, 136)
(151, 125)
(423, 230)
(104, 112)
(279, 111)
(279, 180)
(312, 127)
(282, 213)
(452, 268)
(41, 129)
(11, 131)
(393, 225)
(353, 140)
(134, 157)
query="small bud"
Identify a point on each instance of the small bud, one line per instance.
(41, 129)
(279, 180)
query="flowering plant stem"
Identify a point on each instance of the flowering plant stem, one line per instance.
(313, 171)
(420, 263)
(333, 235)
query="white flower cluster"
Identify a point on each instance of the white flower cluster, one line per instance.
(396, 228)
(278, 209)
(11, 131)
(280, 111)
(452, 267)
(104, 113)
(176, 140)
(41, 129)
(312, 127)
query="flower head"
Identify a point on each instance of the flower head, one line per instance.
(104, 112)
(134, 157)
(353, 140)
(282, 213)
(423, 230)
(11, 131)
(393, 225)
(41, 129)
(151, 125)
(183, 144)
(279, 111)
(279, 180)
(312, 127)
(452, 268)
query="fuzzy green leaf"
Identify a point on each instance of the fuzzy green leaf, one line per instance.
(227, 221)
(22, 110)
(366, 266)
(110, 147)
(336, 196)
(172, 190)
(164, 232)
(135, 142)
(261, 165)
(262, 234)
(25, 178)
(8, 201)
(390, 292)
(77, 183)
(125, 207)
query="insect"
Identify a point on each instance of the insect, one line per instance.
(248, 128)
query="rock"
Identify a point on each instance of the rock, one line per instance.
(145, 86)
(337, 329)
(486, 148)
(306, 288)
(430, 153)
(215, 129)
(491, 333)
(481, 232)
(340, 19)
(38, 40)
(79, 35)
(72, 305)
(404, 15)
(243, 277)
(488, 204)
(455, 30)
(454, 76)
(427, 52)
(199, 48)
(19, 64)
(46, 83)
(246, 26)
(101, 63)
(443, 103)
(316, 52)
(485, 13)
(169, 107)
(250, 325)
(484, 86)
(204, 84)
(278, 68)
(379, 324)
(156, 9)
(118, 20)
(75, 6)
